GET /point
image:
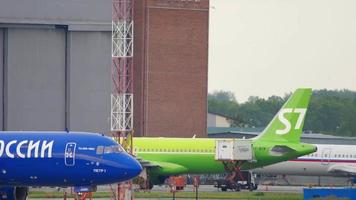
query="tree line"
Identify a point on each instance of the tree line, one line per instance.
(330, 111)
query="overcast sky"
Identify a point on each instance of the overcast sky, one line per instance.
(271, 47)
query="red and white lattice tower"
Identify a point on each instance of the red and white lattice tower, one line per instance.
(122, 60)
(122, 81)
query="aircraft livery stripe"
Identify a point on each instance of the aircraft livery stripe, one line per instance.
(324, 160)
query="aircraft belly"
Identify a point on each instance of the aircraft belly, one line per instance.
(194, 163)
(33, 172)
(296, 168)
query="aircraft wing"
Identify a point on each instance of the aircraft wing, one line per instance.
(163, 167)
(342, 169)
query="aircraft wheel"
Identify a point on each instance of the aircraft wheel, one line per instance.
(150, 185)
(224, 189)
(238, 187)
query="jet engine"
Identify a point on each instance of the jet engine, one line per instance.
(13, 193)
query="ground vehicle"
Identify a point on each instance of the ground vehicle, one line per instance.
(247, 181)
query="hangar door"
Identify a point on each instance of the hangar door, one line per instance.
(35, 78)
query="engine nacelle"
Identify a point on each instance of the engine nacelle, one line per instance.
(13, 193)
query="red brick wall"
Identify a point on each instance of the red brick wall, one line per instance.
(173, 71)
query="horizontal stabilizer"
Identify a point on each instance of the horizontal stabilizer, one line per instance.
(279, 150)
(343, 169)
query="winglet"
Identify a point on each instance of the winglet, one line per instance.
(288, 123)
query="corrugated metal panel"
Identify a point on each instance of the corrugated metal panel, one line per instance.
(36, 79)
(56, 12)
(1, 77)
(90, 83)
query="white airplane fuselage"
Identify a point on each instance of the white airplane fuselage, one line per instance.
(329, 160)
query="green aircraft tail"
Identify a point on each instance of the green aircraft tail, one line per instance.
(287, 124)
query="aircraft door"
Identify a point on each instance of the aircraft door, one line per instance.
(69, 154)
(325, 156)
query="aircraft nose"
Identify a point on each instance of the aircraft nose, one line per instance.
(134, 168)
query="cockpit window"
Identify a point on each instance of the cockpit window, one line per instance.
(109, 149)
(100, 150)
(117, 149)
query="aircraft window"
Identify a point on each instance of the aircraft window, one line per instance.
(100, 150)
(117, 149)
(108, 150)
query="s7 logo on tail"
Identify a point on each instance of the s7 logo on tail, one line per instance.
(287, 123)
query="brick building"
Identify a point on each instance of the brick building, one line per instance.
(171, 67)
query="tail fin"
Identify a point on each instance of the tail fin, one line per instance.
(287, 124)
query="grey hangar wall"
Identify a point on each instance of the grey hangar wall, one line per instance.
(55, 59)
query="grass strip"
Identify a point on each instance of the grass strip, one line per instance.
(190, 195)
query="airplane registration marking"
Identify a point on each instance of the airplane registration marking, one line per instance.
(99, 170)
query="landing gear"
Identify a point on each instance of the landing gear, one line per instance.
(236, 179)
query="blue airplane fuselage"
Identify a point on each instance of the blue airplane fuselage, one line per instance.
(63, 159)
